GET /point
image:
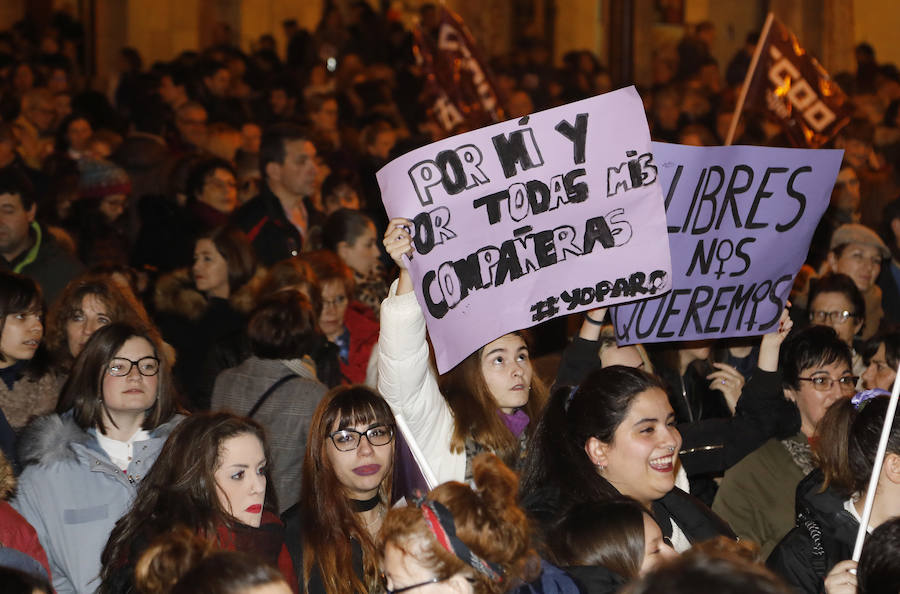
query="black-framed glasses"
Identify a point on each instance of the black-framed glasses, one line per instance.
(347, 440)
(434, 580)
(823, 383)
(120, 366)
(835, 317)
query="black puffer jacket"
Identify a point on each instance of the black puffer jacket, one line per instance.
(823, 536)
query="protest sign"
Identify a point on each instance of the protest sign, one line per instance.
(519, 222)
(740, 221)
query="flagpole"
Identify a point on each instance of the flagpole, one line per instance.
(743, 96)
(876, 469)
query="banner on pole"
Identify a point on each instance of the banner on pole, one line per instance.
(513, 224)
(791, 87)
(740, 221)
(459, 88)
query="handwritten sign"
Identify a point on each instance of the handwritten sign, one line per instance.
(519, 222)
(740, 222)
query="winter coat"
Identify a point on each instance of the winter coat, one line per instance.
(408, 383)
(273, 235)
(823, 536)
(265, 542)
(756, 496)
(47, 262)
(595, 579)
(199, 330)
(72, 493)
(15, 531)
(286, 414)
(30, 398)
(363, 329)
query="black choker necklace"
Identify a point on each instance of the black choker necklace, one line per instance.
(366, 504)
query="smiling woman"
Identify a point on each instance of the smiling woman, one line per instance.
(84, 465)
(218, 492)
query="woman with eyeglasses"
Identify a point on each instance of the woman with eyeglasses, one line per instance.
(882, 356)
(757, 495)
(344, 321)
(814, 556)
(211, 477)
(347, 472)
(834, 301)
(84, 464)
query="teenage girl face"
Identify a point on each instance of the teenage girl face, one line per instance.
(360, 470)
(22, 333)
(640, 461)
(361, 255)
(506, 368)
(656, 550)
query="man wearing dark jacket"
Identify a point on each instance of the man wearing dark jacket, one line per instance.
(276, 221)
(25, 246)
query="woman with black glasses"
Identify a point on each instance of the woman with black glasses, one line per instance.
(83, 465)
(345, 495)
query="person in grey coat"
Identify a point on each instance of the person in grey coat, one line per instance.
(277, 386)
(83, 465)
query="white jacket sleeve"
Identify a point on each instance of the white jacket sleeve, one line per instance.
(408, 382)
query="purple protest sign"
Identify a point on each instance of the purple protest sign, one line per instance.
(740, 222)
(525, 220)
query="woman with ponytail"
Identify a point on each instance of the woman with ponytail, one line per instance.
(830, 500)
(467, 540)
(614, 435)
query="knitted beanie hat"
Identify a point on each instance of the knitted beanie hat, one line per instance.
(101, 178)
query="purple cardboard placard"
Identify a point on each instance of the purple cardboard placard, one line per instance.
(522, 221)
(740, 221)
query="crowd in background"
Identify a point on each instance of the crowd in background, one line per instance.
(208, 336)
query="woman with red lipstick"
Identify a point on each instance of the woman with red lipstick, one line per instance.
(27, 388)
(210, 477)
(346, 492)
(486, 403)
(614, 435)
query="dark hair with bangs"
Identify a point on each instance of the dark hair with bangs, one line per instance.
(179, 489)
(329, 520)
(83, 393)
(839, 283)
(18, 294)
(814, 346)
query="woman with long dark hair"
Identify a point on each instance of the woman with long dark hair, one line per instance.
(84, 464)
(489, 402)
(211, 478)
(346, 492)
(614, 435)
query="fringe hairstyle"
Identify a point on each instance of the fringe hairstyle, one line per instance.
(328, 518)
(475, 410)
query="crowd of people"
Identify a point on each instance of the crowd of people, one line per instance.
(209, 343)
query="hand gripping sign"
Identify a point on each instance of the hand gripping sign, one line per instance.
(519, 222)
